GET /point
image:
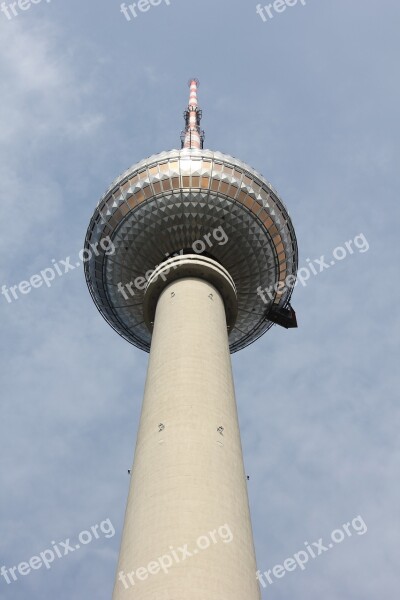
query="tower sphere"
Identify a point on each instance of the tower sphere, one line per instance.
(191, 201)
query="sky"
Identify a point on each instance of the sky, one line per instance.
(309, 97)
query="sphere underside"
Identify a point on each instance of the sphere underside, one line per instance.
(190, 200)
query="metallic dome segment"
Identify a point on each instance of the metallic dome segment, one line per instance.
(163, 206)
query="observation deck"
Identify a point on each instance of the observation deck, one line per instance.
(167, 203)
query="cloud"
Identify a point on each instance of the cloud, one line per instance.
(44, 106)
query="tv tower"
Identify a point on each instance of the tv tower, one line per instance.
(197, 234)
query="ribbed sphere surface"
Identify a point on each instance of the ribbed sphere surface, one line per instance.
(194, 200)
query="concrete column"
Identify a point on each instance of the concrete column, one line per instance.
(188, 488)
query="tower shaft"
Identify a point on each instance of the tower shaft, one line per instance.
(188, 483)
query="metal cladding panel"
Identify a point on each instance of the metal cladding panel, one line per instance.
(166, 204)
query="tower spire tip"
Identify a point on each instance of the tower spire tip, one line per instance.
(193, 135)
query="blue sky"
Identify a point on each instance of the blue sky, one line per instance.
(309, 98)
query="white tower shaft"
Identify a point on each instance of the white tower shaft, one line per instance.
(188, 485)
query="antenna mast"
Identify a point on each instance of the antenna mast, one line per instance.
(193, 135)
